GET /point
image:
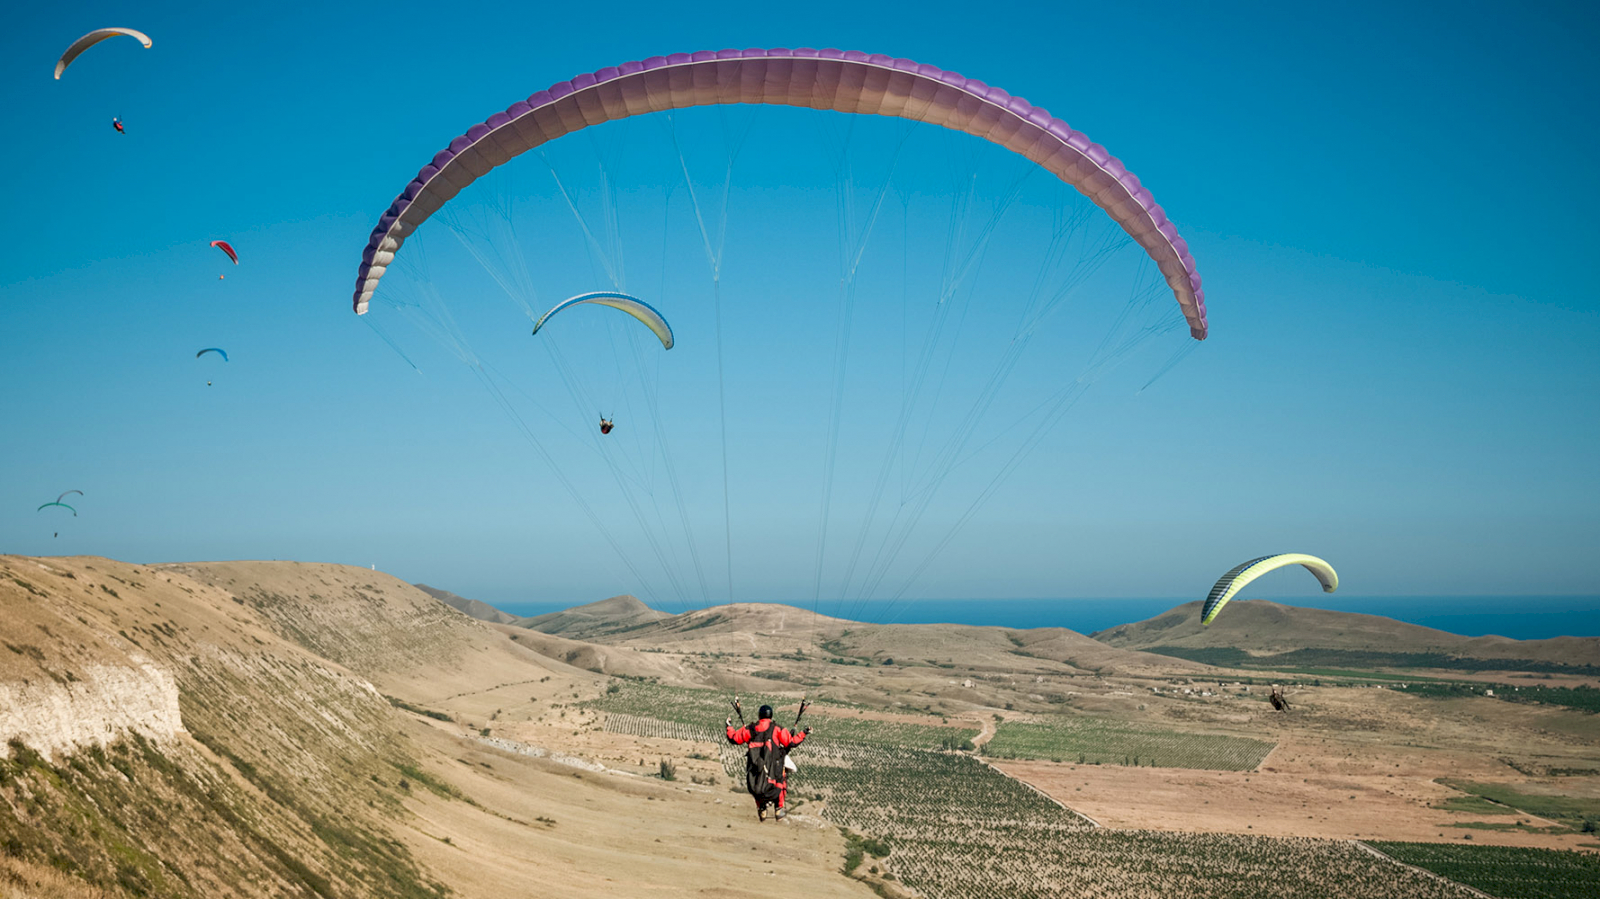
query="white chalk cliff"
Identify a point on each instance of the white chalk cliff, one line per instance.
(103, 704)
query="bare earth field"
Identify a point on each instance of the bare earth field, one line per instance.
(1364, 807)
(1351, 764)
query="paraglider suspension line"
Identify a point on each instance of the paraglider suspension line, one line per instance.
(722, 417)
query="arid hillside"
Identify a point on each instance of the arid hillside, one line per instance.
(284, 729)
(161, 739)
(774, 629)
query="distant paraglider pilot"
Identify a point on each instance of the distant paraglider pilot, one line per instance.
(1279, 701)
(766, 776)
(606, 425)
(117, 124)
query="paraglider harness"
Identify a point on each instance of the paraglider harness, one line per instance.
(765, 775)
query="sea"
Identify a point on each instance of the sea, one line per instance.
(1518, 617)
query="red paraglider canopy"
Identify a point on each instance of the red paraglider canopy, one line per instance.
(224, 247)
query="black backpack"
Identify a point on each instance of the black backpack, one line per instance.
(763, 766)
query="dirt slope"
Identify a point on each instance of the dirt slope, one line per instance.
(548, 830)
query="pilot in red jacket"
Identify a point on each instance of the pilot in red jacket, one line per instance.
(768, 745)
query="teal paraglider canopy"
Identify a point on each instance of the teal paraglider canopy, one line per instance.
(62, 505)
(211, 349)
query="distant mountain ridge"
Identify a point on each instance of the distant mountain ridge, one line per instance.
(623, 622)
(595, 619)
(1258, 629)
(1252, 632)
(479, 610)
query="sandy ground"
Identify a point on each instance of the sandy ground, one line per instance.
(613, 834)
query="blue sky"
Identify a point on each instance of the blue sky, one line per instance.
(1391, 209)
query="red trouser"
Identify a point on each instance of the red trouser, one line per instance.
(783, 793)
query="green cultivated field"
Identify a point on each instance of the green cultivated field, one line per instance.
(1362, 660)
(697, 707)
(1506, 871)
(958, 829)
(1508, 800)
(1104, 742)
(1582, 698)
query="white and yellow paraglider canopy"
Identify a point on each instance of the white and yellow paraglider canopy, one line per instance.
(639, 309)
(95, 37)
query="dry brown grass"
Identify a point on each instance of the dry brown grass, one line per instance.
(21, 879)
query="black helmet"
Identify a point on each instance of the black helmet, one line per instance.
(765, 712)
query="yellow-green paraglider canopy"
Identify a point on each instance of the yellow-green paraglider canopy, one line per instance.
(1229, 585)
(634, 306)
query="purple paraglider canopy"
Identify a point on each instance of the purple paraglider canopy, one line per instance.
(818, 79)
